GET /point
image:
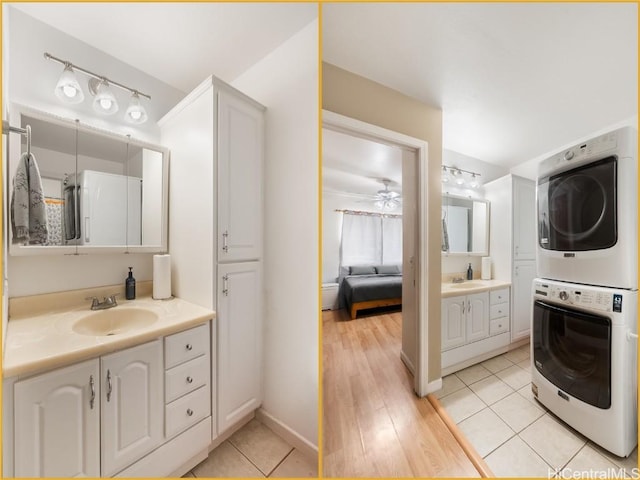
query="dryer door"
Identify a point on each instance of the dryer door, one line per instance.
(577, 208)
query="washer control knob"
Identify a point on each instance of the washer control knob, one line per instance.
(563, 295)
(568, 155)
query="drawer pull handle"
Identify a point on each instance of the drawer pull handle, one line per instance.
(189, 347)
(92, 398)
(189, 380)
(189, 412)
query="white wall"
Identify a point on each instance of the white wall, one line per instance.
(286, 82)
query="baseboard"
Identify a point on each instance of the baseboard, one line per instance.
(407, 363)
(434, 386)
(230, 431)
(301, 444)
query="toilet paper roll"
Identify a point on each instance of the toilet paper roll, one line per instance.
(486, 268)
(161, 277)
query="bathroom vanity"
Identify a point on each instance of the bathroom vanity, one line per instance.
(475, 322)
(84, 400)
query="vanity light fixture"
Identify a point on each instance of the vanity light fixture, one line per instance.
(68, 90)
(104, 101)
(459, 177)
(135, 111)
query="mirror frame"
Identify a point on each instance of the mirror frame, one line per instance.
(483, 253)
(14, 150)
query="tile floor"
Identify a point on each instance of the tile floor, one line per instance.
(493, 405)
(255, 451)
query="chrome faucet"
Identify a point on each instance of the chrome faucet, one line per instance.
(107, 302)
(457, 280)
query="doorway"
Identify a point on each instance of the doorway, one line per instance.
(410, 158)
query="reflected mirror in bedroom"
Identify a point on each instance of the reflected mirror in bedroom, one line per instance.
(465, 225)
(103, 192)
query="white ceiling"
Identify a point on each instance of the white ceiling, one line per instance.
(357, 166)
(179, 43)
(514, 80)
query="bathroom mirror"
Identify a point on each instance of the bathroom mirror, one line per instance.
(104, 192)
(465, 225)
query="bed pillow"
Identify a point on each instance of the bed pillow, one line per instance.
(388, 269)
(363, 270)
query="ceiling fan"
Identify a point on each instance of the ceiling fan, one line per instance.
(387, 199)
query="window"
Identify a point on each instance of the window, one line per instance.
(371, 239)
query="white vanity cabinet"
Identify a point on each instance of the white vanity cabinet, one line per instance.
(131, 405)
(239, 341)
(57, 423)
(143, 411)
(216, 139)
(240, 151)
(474, 327)
(465, 319)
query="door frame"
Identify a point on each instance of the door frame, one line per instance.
(341, 123)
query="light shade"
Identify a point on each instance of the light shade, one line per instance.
(446, 178)
(68, 89)
(135, 111)
(104, 101)
(474, 183)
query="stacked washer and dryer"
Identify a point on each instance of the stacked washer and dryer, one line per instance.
(584, 325)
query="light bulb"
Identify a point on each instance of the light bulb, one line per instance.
(104, 101)
(68, 89)
(135, 111)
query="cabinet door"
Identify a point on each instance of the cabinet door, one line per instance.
(240, 153)
(524, 219)
(132, 405)
(57, 423)
(477, 316)
(522, 308)
(453, 322)
(239, 318)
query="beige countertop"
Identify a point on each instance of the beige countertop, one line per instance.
(43, 338)
(450, 289)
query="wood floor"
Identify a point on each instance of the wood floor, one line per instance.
(373, 423)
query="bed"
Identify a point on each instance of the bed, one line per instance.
(364, 287)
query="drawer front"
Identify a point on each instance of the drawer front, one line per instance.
(499, 296)
(186, 411)
(499, 325)
(186, 378)
(500, 310)
(184, 346)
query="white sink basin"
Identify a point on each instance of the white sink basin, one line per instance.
(468, 284)
(114, 321)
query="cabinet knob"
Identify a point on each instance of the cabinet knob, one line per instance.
(189, 412)
(189, 380)
(189, 347)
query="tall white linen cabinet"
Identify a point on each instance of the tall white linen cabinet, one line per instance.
(216, 139)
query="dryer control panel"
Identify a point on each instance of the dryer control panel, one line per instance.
(587, 297)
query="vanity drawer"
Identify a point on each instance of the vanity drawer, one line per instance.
(500, 310)
(186, 411)
(499, 325)
(498, 296)
(185, 378)
(182, 347)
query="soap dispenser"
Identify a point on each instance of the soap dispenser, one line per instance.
(130, 286)
(469, 273)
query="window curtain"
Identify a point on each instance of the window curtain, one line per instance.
(370, 240)
(391, 241)
(361, 242)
